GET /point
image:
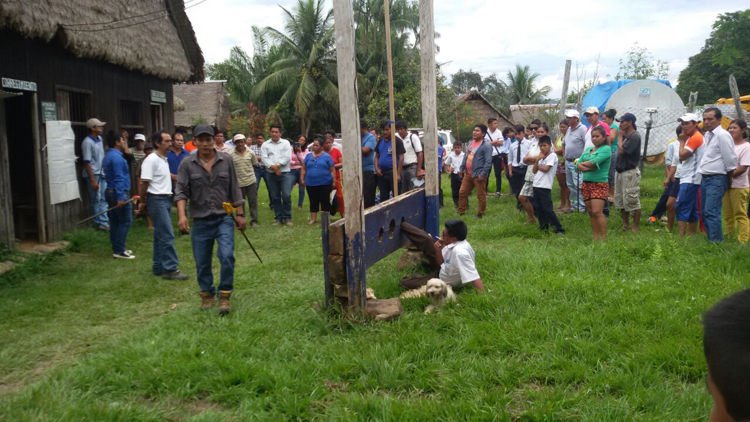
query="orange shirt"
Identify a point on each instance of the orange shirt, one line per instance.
(190, 146)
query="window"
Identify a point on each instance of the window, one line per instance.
(131, 116)
(157, 117)
(74, 105)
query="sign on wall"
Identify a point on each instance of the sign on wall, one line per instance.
(158, 96)
(61, 162)
(49, 111)
(19, 84)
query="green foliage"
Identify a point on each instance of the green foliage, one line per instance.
(725, 52)
(522, 87)
(568, 330)
(200, 120)
(639, 63)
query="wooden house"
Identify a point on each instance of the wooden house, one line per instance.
(481, 109)
(67, 61)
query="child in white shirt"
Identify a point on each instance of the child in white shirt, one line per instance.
(453, 165)
(544, 173)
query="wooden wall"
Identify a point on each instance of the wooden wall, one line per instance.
(53, 68)
(7, 233)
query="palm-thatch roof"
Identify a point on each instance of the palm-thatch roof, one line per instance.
(206, 102)
(151, 36)
(474, 96)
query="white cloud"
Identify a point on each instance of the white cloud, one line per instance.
(491, 37)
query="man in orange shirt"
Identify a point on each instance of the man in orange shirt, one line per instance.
(690, 153)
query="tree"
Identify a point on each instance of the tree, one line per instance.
(463, 81)
(522, 88)
(639, 63)
(307, 72)
(726, 51)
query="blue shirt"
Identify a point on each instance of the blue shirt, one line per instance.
(318, 170)
(440, 158)
(174, 160)
(368, 161)
(92, 151)
(116, 173)
(385, 159)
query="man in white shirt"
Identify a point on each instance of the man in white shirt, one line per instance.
(276, 153)
(518, 150)
(545, 168)
(718, 161)
(413, 158)
(156, 186)
(452, 163)
(495, 138)
(456, 257)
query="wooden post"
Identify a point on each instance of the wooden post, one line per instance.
(564, 95)
(38, 171)
(429, 115)
(325, 228)
(736, 95)
(391, 101)
(354, 223)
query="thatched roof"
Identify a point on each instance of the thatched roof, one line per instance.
(475, 95)
(207, 101)
(151, 36)
(524, 113)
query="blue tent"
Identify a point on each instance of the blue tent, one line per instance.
(599, 95)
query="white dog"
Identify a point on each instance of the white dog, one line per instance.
(437, 290)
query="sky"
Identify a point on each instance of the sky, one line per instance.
(489, 36)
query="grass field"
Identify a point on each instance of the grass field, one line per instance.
(568, 330)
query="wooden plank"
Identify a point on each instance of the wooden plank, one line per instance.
(7, 228)
(429, 113)
(352, 177)
(391, 100)
(38, 171)
(325, 221)
(383, 224)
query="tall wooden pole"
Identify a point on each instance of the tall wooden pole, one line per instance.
(354, 223)
(564, 95)
(391, 101)
(429, 114)
(736, 95)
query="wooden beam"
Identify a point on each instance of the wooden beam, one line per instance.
(391, 100)
(352, 178)
(564, 95)
(429, 114)
(38, 170)
(736, 95)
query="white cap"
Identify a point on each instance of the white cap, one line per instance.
(571, 112)
(591, 110)
(94, 122)
(689, 117)
(140, 137)
(238, 137)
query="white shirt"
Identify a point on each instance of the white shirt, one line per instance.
(542, 179)
(719, 156)
(454, 161)
(533, 151)
(458, 266)
(155, 170)
(493, 136)
(524, 144)
(412, 147)
(505, 149)
(273, 153)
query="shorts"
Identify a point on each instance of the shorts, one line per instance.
(528, 189)
(673, 188)
(687, 203)
(560, 165)
(595, 190)
(628, 190)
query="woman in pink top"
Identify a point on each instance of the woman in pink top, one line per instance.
(735, 199)
(295, 167)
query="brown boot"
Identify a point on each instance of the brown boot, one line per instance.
(224, 306)
(207, 300)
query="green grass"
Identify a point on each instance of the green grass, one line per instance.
(568, 330)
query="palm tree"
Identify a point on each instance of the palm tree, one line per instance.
(522, 89)
(306, 75)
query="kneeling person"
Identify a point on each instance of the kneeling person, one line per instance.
(208, 179)
(456, 257)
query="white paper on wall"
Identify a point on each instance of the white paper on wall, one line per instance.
(61, 162)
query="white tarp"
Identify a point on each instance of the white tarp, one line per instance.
(61, 162)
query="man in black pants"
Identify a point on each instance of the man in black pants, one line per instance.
(496, 140)
(518, 150)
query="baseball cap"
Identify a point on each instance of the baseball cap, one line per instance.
(627, 117)
(94, 122)
(203, 130)
(238, 137)
(140, 137)
(591, 110)
(571, 112)
(689, 117)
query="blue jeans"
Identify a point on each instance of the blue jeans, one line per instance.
(574, 179)
(260, 175)
(712, 193)
(280, 188)
(120, 220)
(97, 201)
(204, 232)
(296, 173)
(165, 254)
